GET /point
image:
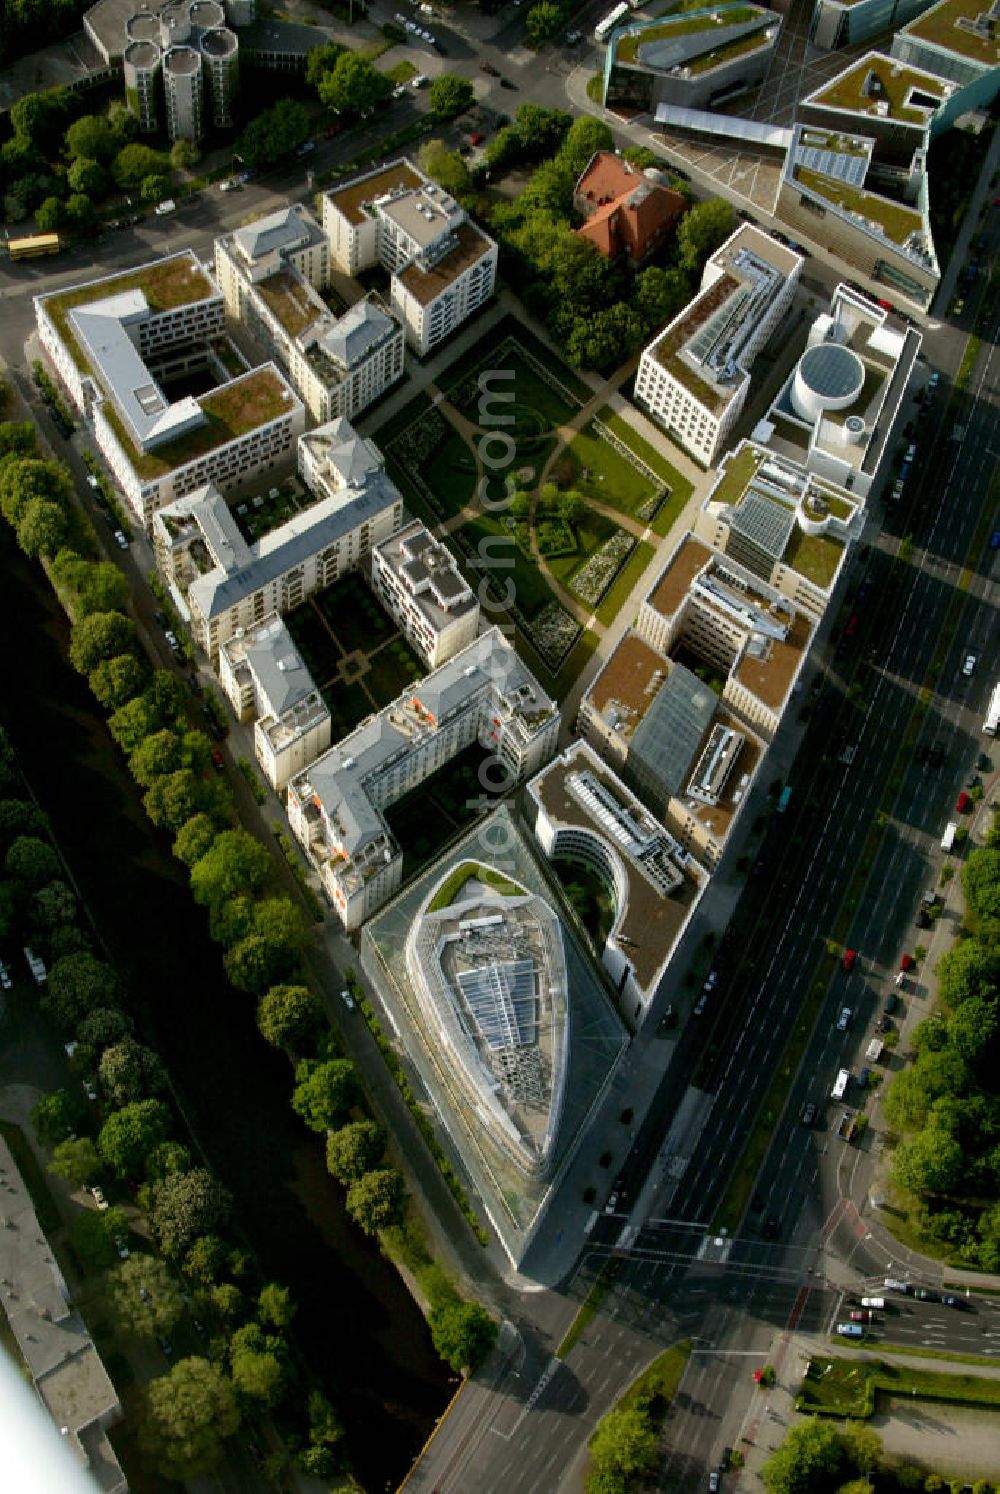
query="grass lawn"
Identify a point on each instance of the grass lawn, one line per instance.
(658, 1383)
(401, 72)
(448, 467)
(611, 478)
(679, 485)
(391, 670)
(531, 591)
(844, 1387)
(621, 588)
(354, 615)
(468, 870)
(815, 555)
(508, 327)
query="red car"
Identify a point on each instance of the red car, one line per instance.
(862, 1315)
(963, 803)
(852, 626)
(217, 762)
(475, 139)
(848, 958)
(906, 963)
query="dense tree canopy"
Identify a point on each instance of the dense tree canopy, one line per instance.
(130, 1134)
(130, 1071)
(810, 1460)
(324, 1092)
(91, 138)
(32, 862)
(135, 162)
(450, 95)
(274, 133)
(188, 1415)
(376, 1200)
(56, 1116)
(623, 1446)
(101, 635)
(235, 862)
(446, 167)
(194, 839)
(117, 680)
(185, 1206)
(354, 1150)
(77, 1161)
(145, 1296)
(289, 1017)
(353, 85)
(463, 1333)
(76, 985)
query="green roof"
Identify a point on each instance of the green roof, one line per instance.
(738, 473)
(627, 49)
(166, 283)
(938, 26)
(815, 556)
(895, 83)
(895, 220)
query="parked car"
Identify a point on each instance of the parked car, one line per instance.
(963, 803)
(121, 1247)
(925, 1294)
(848, 959)
(165, 1345)
(808, 1113)
(120, 540)
(347, 999)
(995, 540)
(230, 185)
(844, 1020)
(949, 1301)
(850, 1330)
(217, 761)
(195, 683)
(476, 138)
(97, 1194)
(969, 666)
(612, 1203)
(862, 1315)
(906, 963)
(172, 642)
(713, 1483)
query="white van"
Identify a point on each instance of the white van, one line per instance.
(948, 838)
(878, 1303)
(839, 1089)
(168, 205)
(892, 1285)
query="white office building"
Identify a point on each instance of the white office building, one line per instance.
(418, 582)
(694, 377)
(442, 267)
(336, 807)
(263, 675)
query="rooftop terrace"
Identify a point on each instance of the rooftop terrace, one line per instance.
(940, 25)
(670, 27)
(894, 220)
(911, 95)
(352, 199)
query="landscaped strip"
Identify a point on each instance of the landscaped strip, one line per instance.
(589, 1306)
(846, 1387)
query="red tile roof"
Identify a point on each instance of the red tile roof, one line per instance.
(626, 212)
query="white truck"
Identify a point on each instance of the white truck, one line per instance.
(874, 1050)
(839, 1089)
(948, 838)
(168, 205)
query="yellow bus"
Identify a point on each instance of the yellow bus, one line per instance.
(31, 248)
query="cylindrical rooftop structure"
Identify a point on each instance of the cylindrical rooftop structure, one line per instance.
(207, 13)
(175, 24)
(143, 27)
(220, 49)
(141, 68)
(183, 86)
(829, 377)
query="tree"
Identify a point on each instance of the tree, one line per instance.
(258, 1363)
(981, 882)
(324, 1091)
(188, 1414)
(450, 95)
(42, 529)
(122, 122)
(354, 85)
(320, 61)
(275, 1305)
(167, 1158)
(95, 1233)
(157, 754)
(862, 1446)
(255, 963)
(446, 167)
(17, 437)
(77, 1161)
(80, 212)
(702, 229)
(130, 1134)
(134, 163)
(171, 800)
(809, 1461)
(102, 635)
(289, 1017)
(274, 133)
(56, 1116)
(235, 862)
(77, 984)
(32, 862)
(130, 1071)
(19, 816)
(54, 905)
(659, 294)
(116, 680)
(930, 1162)
(25, 478)
(50, 215)
(90, 139)
(623, 1444)
(88, 177)
(102, 588)
(134, 721)
(206, 1259)
(185, 1206)
(232, 920)
(154, 187)
(543, 21)
(376, 1200)
(354, 1150)
(194, 839)
(463, 1333)
(39, 117)
(104, 1025)
(550, 189)
(184, 154)
(584, 138)
(539, 131)
(145, 1297)
(972, 1029)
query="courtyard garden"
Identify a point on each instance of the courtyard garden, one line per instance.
(584, 496)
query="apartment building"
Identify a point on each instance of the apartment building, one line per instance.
(691, 760)
(694, 376)
(265, 680)
(789, 527)
(419, 584)
(442, 268)
(222, 583)
(336, 807)
(752, 639)
(268, 273)
(112, 340)
(696, 59)
(580, 811)
(956, 39)
(836, 414)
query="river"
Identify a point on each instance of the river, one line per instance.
(357, 1325)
